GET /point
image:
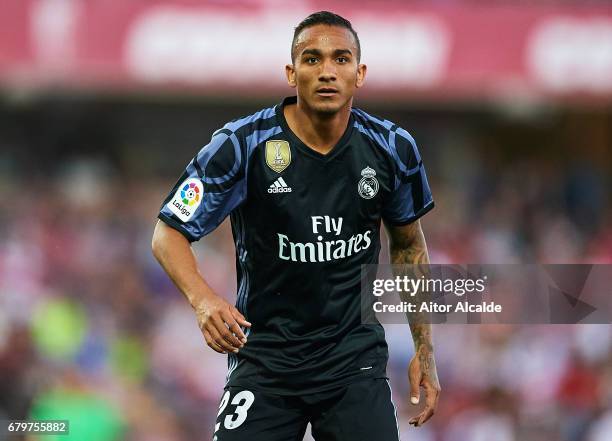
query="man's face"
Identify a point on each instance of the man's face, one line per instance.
(325, 70)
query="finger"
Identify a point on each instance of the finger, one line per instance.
(211, 343)
(225, 319)
(425, 415)
(218, 338)
(234, 327)
(415, 380)
(240, 318)
(418, 420)
(432, 394)
(219, 324)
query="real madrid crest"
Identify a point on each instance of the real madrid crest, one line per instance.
(278, 155)
(368, 185)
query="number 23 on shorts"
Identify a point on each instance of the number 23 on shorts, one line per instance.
(243, 400)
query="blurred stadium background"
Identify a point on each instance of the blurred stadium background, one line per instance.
(102, 104)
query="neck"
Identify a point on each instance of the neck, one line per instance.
(319, 131)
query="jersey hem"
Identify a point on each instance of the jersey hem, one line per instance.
(305, 391)
(175, 225)
(411, 219)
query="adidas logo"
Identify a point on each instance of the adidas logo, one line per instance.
(279, 186)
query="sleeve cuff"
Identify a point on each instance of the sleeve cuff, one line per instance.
(413, 218)
(177, 226)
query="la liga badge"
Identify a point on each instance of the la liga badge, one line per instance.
(187, 199)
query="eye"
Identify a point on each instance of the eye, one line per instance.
(342, 60)
(311, 60)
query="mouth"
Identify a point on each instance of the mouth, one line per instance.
(327, 91)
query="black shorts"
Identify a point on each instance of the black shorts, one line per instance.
(361, 411)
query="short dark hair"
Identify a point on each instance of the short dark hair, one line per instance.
(326, 18)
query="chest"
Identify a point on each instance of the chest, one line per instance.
(289, 185)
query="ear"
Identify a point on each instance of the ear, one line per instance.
(361, 73)
(290, 73)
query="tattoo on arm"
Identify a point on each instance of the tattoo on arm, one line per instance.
(407, 247)
(407, 244)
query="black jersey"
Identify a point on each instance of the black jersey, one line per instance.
(303, 224)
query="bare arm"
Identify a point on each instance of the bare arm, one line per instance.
(407, 246)
(219, 321)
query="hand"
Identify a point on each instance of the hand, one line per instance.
(220, 324)
(422, 373)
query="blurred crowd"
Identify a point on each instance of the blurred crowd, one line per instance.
(92, 330)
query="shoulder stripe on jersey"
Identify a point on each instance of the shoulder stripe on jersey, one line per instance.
(380, 140)
(228, 132)
(388, 144)
(412, 142)
(199, 170)
(374, 135)
(220, 184)
(416, 189)
(409, 137)
(263, 114)
(384, 123)
(209, 151)
(259, 136)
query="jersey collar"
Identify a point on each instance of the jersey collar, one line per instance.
(342, 142)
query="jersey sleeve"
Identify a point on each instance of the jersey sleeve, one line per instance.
(411, 197)
(211, 187)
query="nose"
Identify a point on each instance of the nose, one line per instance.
(328, 71)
